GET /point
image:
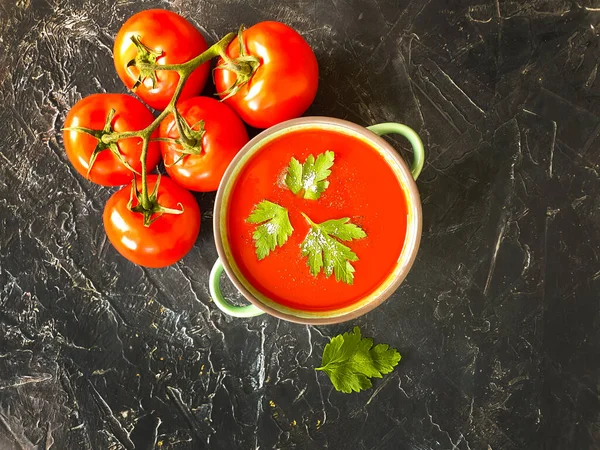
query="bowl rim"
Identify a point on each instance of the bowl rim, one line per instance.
(412, 239)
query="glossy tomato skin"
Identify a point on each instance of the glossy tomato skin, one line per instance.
(179, 41)
(285, 83)
(225, 134)
(91, 112)
(166, 240)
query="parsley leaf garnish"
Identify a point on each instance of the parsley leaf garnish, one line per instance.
(329, 254)
(351, 361)
(308, 180)
(275, 228)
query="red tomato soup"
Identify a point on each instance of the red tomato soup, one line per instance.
(361, 186)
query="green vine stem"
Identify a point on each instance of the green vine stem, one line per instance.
(243, 66)
(184, 70)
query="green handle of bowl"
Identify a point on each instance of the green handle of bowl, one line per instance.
(410, 134)
(214, 286)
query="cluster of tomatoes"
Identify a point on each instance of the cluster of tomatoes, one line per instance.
(267, 75)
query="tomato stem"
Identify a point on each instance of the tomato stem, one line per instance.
(145, 61)
(184, 70)
(145, 200)
(153, 210)
(243, 66)
(184, 135)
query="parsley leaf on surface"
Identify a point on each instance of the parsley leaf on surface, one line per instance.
(328, 254)
(351, 361)
(309, 179)
(274, 229)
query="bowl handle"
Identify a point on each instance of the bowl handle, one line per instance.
(410, 134)
(214, 287)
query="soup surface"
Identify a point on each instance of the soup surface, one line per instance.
(362, 187)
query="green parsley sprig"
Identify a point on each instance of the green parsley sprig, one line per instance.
(309, 180)
(351, 361)
(328, 254)
(275, 228)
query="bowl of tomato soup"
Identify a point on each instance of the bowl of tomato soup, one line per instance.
(317, 220)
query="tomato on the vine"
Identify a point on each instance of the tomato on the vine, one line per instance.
(167, 239)
(213, 135)
(99, 114)
(275, 80)
(160, 37)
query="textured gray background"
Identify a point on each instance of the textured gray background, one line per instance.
(498, 322)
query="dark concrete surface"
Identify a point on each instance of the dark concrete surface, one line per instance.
(498, 321)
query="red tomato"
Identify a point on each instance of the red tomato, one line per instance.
(224, 135)
(91, 113)
(285, 82)
(166, 240)
(172, 40)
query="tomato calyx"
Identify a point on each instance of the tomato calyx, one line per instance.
(243, 66)
(190, 137)
(102, 145)
(146, 61)
(152, 210)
